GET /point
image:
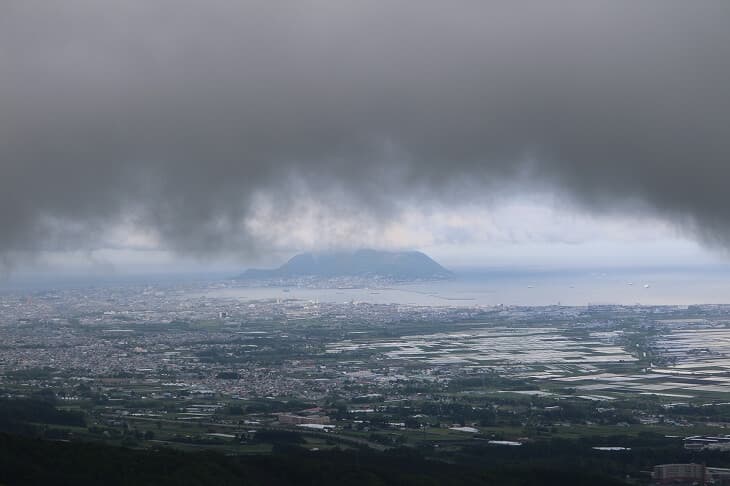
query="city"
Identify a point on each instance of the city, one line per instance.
(151, 365)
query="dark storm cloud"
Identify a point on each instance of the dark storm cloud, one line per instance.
(175, 114)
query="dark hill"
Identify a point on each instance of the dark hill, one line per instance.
(404, 265)
(29, 462)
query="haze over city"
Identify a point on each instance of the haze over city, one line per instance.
(364, 242)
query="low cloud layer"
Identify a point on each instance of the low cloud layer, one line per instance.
(176, 117)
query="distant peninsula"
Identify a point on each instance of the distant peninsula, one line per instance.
(390, 265)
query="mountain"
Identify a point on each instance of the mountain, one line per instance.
(400, 265)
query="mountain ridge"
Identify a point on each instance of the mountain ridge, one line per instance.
(402, 265)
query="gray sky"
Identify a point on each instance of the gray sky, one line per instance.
(236, 130)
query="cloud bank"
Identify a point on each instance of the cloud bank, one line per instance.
(180, 117)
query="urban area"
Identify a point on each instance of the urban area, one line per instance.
(641, 393)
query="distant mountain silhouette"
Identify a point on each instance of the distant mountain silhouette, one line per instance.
(401, 265)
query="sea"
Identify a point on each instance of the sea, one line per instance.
(675, 286)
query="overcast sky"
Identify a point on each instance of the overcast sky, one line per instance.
(220, 133)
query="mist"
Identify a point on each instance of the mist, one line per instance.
(184, 119)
